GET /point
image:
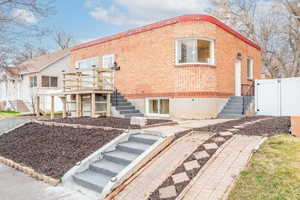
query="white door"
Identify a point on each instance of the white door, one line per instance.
(238, 77)
(108, 63)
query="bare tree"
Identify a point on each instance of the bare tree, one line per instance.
(27, 52)
(271, 25)
(19, 23)
(63, 40)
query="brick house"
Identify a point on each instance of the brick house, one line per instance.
(184, 67)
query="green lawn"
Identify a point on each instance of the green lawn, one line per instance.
(4, 113)
(273, 173)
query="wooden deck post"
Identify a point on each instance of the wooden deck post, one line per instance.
(108, 106)
(64, 101)
(93, 105)
(78, 105)
(52, 107)
(37, 109)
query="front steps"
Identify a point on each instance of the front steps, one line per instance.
(124, 107)
(234, 107)
(104, 171)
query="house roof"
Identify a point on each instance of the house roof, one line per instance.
(37, 64)
(183, 18)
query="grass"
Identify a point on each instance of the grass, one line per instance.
(273, 173)
(6, 113)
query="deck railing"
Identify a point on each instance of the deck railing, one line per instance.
(93, 78)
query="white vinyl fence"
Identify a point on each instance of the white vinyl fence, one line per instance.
(277, 97)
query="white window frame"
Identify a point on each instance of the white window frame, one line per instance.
(106, 56)
(251, 68)
(212, 52)
(36, 81)
(156, 114)
(85, 60)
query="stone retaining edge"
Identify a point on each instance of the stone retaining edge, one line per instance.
(29, 171)
(75, 125)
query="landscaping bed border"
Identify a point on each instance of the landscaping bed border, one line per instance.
(29, 171)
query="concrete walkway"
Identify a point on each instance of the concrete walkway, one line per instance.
(15, 185)
(9, 123)
(215, 179)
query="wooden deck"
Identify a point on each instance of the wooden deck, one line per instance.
(81, 89)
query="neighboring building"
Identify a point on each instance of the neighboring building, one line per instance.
(184, 67)
(19, 85)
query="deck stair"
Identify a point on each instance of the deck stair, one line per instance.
(124, 107)
(235, 107)
(18, 106)
(103, 171)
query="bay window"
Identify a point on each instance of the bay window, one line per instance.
(195, 51)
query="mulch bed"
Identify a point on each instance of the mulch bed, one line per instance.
(52, 150)
(113, 122)
(268, 127)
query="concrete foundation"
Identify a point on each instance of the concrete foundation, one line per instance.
(188, 108)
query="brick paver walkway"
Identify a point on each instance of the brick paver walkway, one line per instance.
(161, 168)
(215, 179)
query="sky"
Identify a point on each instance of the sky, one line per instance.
(92, 19)
(88, 20)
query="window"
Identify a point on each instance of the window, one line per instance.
(195, 51)
(33, 81)
(158, 107)
(250, 68)
(49, 81)
(87, 63)
(108, 61)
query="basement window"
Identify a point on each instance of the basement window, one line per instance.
(49, 81)
(195, 51)
(158, 107)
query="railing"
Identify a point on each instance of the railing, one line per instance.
(89, 78)
(247, 93)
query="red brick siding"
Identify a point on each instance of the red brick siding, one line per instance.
(148, 66)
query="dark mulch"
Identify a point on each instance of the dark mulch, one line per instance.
(268, 127)
(113, 122)
(52, 150)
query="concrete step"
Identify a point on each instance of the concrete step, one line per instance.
(121, 104)
(133, 147)
(233, 106)
(92, 180)
(230, 116)
(119, 101)
(129, 111)
(120, 157)
(134, 115)
(232, 110)
(107, 167)
(144, 138)
(124, 107)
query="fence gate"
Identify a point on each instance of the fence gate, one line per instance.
(277, 97)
